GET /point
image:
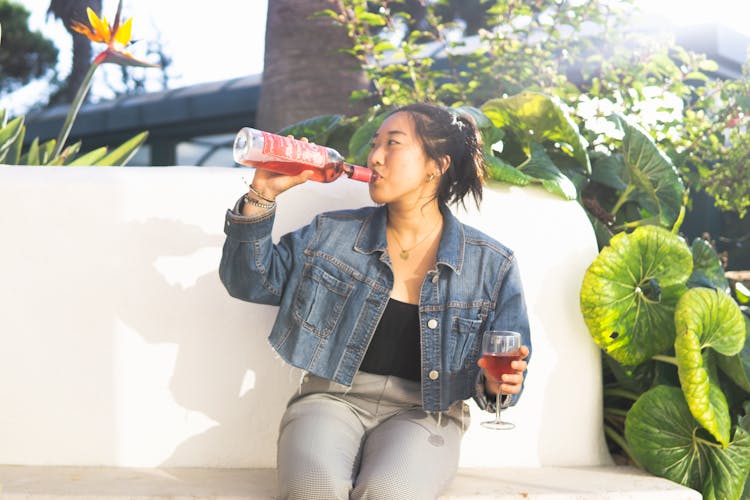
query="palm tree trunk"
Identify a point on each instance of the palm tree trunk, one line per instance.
(305, 73)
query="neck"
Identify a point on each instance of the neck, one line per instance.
(415, 220)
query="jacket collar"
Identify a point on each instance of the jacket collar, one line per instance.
(371, 237)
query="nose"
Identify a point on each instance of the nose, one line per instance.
(375, 157)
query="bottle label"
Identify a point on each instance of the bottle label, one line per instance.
(290, 150)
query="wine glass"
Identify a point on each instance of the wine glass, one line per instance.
(499, 350)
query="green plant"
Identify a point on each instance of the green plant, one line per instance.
(677, 396)
(54, 152)
(12, 135)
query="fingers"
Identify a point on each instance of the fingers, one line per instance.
(510, 383)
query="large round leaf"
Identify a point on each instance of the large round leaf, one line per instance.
(539, 116)
(629, 292)
(658, 187)
(706, 318)
(666, 440)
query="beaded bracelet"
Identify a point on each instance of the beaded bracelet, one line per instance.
(256, 193)
(258, 204)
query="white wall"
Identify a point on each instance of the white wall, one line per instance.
(119, 345)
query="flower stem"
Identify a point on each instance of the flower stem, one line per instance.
(75, 106)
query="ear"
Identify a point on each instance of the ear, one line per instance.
(444, 163)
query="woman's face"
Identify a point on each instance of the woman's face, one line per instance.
(402, 169)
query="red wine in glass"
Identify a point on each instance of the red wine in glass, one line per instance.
(499, 350)
(498, 364)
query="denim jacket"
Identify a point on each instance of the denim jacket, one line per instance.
(332, 279)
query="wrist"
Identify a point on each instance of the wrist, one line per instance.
(261, 194)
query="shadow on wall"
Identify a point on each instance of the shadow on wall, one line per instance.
(216, 379)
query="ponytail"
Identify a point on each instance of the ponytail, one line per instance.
(445, 132)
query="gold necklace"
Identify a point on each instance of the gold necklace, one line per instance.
(404, 254)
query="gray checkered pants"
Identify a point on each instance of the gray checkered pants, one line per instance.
(370, 441)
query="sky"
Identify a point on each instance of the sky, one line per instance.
(227, 40)
(208, 41)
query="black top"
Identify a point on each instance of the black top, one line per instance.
(395, 347)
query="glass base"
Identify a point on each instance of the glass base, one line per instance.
(498, 425)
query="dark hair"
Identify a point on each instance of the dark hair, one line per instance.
(445, 132)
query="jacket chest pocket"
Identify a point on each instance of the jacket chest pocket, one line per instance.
(464, 342)
(319, 301)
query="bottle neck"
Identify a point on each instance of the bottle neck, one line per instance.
(357, 173)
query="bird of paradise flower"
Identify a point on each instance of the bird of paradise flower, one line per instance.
(117, 37)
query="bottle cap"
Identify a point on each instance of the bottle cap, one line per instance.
(361, 173)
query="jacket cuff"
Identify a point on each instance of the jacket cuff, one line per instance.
(486, 401)
(248, 228)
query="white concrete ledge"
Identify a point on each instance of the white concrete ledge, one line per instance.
(126, 370)
(541, 483)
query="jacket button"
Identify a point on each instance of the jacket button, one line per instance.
(435, 278)
(432, 324)
(434, 374)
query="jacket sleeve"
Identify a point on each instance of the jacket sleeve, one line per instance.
(252, 268)
(509, 314)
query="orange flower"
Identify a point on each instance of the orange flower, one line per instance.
(116, 36)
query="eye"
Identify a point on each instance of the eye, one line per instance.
(392, 141)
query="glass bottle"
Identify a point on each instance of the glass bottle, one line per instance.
(255, 148)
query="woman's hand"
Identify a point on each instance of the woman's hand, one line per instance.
(271, 184)
(511, 382)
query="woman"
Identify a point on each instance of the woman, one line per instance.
(384, 307)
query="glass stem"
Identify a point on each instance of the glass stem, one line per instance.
(497, 405)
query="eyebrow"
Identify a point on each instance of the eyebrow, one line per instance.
(391, 132)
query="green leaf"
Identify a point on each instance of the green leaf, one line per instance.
(90, 158)
(707, 269)
(667, 441)
(708, 65)
(45, 151)
(540, 166)
(316, 129)
(8, 136)
(609, 170)
(696, 75)
(629, 293)
(706, 318)
(124, 152)
(13, 156)
(66, 154)
(359, 144)
(737, 367)
(501, 171)
(371, 19)
(539, 117)
(480, 119)
(742, 293)
(32, 155)
(658, 187)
